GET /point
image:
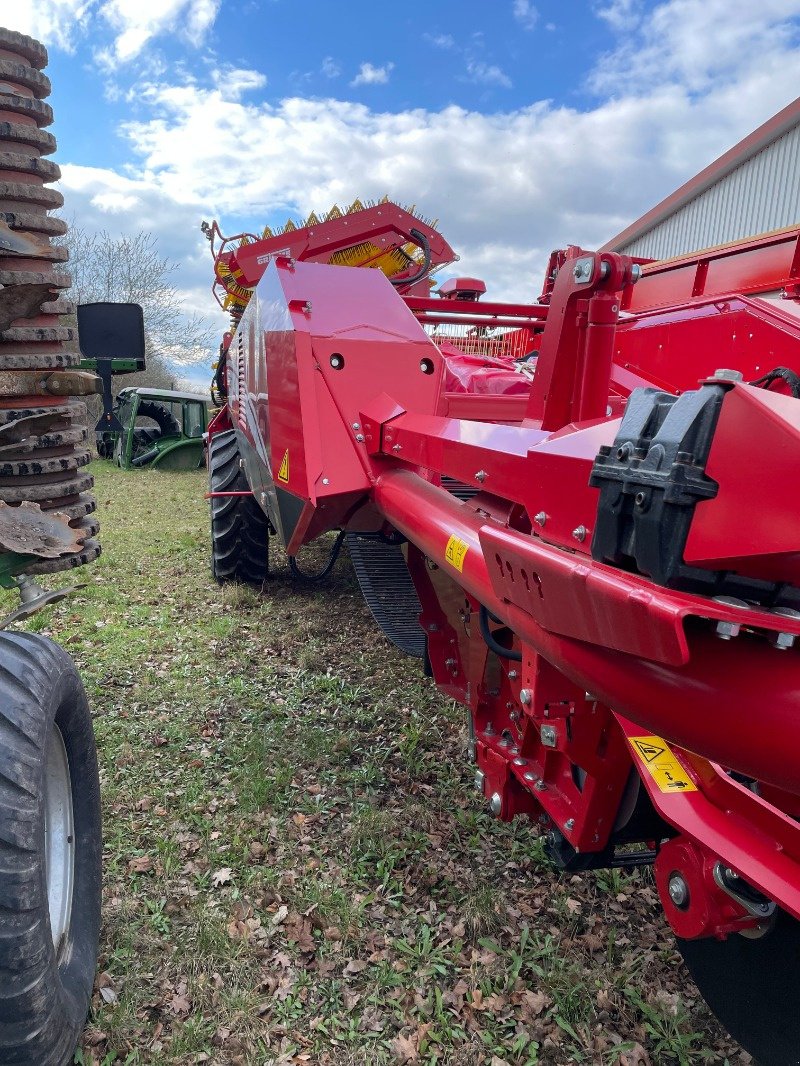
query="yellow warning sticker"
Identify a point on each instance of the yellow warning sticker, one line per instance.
(283, 471)
(662, 764)
(455, 552)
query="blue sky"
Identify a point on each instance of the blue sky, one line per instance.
(521, 125)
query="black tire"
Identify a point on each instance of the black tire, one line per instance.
(162, 416)
(45, 989)
(239, 528)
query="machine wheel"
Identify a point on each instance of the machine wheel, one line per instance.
(239, 528)
(164, 418)
(50, 853)
(752, 987)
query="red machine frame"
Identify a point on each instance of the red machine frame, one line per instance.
(341, 403)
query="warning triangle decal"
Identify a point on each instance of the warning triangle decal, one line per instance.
(283, 472)
(648, 751)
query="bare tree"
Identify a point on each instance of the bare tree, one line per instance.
(132, 270)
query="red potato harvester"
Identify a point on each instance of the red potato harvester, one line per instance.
(580, 512)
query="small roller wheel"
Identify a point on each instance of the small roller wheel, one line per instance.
(239, 528)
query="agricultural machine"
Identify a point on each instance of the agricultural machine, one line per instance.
(50, 836)
(579, 513)
(159, 428)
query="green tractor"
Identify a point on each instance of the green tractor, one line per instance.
(142, 427)
(160, 428)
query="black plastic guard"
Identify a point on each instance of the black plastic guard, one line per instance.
(651, 480)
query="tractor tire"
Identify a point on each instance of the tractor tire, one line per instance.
(166, 421)
(50, 853)
(239, 528)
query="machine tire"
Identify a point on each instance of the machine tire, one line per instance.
(49, 795)
(239, 528)
(162, 416)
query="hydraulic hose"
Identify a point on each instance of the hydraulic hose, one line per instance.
(329, 565)
(491, 643)
(424, 244)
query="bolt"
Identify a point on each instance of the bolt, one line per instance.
(326, 481)
(540, 518)
(356, 425)
(530, 776)
(727, 630)
(360, 437)
(512, 675)
(639, 499)
(480, 476)
(397, 447)
(580, 533)
(263, 497)
(525, 696)
(515, 716)
(729, 375)
(636, 273)
(549, 736)
(471, 750)
(307, 307)
(520, 762)
(783, 641)
(540, 786)
(582, 271)
(678, 891)
(480, 777)
(569, 825)
(496, 803)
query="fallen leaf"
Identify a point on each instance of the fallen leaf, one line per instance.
(180, 1004)
(404, 1049)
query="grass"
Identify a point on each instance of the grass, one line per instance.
(297, 867)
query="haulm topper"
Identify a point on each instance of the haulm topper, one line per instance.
(580, 513)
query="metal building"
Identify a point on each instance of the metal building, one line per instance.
(754, 188)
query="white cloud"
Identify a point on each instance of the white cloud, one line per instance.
(134, 23)
(699, 43)
(54, 22)
(138, 21)
(620, 14)
(440, 40)
(369, 75)
(487, 74)
(525, 13)
(330, 68)
(234, 81)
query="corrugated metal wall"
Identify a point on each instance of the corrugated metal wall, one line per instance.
(760, 195)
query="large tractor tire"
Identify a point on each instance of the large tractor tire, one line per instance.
(50, 853)
(239, 528)
(168, 424)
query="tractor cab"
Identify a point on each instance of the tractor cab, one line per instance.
(160, 428)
